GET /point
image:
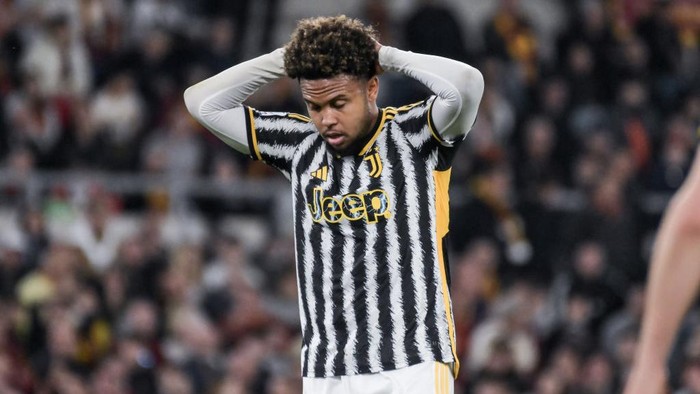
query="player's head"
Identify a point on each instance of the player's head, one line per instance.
(335, 61)
(326, 47)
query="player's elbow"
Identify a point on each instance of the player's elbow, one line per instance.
(692, 224)
(192, 101)
(683, 208)
(471, 84)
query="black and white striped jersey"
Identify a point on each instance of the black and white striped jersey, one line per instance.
(370, 239)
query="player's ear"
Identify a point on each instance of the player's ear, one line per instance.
(372, 89)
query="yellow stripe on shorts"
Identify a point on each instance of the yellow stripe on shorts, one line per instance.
(443, 380)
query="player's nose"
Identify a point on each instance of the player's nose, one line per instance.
(328, 118)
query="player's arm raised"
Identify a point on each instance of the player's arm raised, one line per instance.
(216, 102)
(672, 285)
(458, 87)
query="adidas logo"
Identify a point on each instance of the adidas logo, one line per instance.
(321, 173)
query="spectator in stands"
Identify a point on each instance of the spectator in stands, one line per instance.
(510, 35)
(141, 322)
(675, 156)
(59, 60)
(493, 213)
(623, 352)
(219, 53)
(588, 25)
(148, 15)
(35, 124)
(492, 386)
(109, 377)
(98, 232)
(116, 117)
(598, 375)
(474, 285)
(176, 149)
(548, 382)
(494, 126)
(565, 362)
(195, 348)
(625, 320)
(173, 380)
(536, 163)
(609, 220)
(505, 341)
(589, 290)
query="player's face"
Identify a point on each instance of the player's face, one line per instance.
(343, 108)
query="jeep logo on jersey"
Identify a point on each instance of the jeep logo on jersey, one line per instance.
(370, 206)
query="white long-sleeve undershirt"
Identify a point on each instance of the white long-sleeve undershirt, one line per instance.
(217, 102)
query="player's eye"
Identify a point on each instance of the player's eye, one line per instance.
(339, 104)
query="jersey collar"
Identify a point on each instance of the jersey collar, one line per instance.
(369, 139)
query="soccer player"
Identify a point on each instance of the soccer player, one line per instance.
(370, 199)
(672, 286)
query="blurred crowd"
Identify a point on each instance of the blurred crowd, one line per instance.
(588, 124)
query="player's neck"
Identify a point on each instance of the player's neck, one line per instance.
(372, 123)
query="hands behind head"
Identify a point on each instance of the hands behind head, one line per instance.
(377, 46)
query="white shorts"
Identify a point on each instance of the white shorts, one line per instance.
(424, 378)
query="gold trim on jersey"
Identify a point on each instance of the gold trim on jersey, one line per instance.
(385, 116)
(253, 134)
(442, 209)
(431, 126)
(321, 173)
(405, 108)
(299, 117)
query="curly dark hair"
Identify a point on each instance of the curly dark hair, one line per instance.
(325, 47)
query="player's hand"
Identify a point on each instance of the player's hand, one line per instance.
(378, 67)
(649, 380)
(377, 45)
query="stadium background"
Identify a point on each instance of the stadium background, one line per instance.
(139, 254)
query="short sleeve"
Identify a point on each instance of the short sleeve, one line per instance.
(275, 137)
(416, 124)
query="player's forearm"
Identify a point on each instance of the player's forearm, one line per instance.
(675, 272)
(672, 288)
(217, 102)
(458, 86)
